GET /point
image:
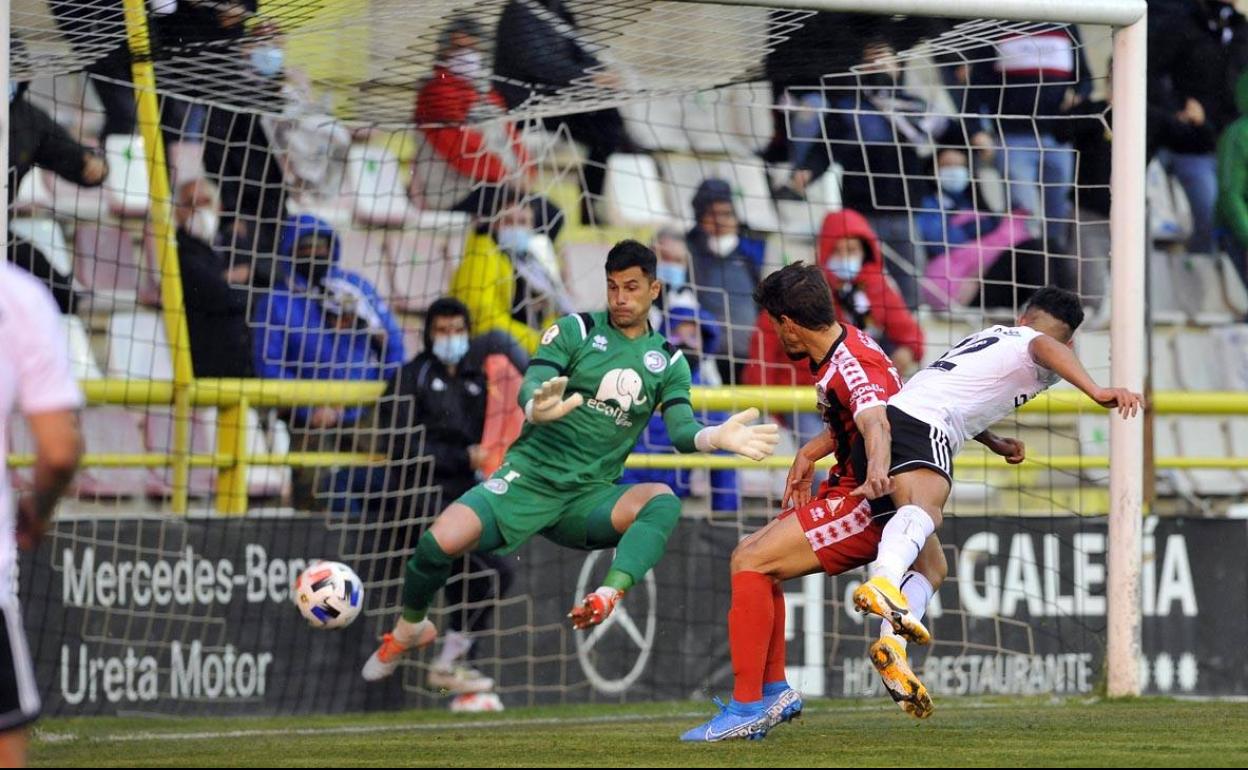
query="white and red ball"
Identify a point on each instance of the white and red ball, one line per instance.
(329, 594)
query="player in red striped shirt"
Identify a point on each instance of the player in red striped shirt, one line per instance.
(834, 532)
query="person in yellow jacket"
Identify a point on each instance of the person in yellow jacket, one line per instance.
(503, 282)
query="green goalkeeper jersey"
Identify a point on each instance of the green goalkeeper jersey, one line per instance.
(622, 380)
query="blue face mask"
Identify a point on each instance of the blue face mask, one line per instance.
(450, 349)
(514, 240)
(672, 275)
(954, 179)
(267, 61)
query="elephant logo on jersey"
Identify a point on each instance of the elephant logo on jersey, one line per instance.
(623, 386)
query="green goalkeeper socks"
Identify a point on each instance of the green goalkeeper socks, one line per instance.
(642, 544)
(425, 574)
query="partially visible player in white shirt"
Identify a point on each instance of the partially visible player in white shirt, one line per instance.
(975, 384)
(35, 380)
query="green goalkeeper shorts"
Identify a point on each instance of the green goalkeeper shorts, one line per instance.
(517, 506)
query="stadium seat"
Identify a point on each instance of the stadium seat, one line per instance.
(657, 124)
(1200, 361)
(126, 189)
(106, 262)
(81, 359)
(420, 259)
(1163, 293)
(33, 196)
(1199, 286)
(46, 235)
(1202, 436)
(585, 284)
(634, 192)
(375, 180)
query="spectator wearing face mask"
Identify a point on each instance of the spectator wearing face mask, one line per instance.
(696, 334)
(672, 270)
(865, 296)
(978, 256)
(319, 321)
(874, 129)
(725, 261)
(509, 278)
(472, 159)
(213, 292)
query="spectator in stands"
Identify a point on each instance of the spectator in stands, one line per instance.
(977, 255)
(822, 44)
(875, 130)
(215, 294)
(35, 139)
(433, 423)
(695, 333)
(538, 51)
(849, 253)
(472, 160)
(313, 145)
(673, 270)
(509, 277)
(725, 262)
(1196, 51)
(1042, 74)
(1233, 183)
(320, 322)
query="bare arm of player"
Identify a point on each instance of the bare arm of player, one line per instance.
(1053, 355)
(877, 436)
(1012, 449)
(802, 474)
(58, 449)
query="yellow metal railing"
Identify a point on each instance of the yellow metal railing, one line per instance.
(233, 397)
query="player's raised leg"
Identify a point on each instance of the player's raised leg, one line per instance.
(888, 653)
(920, 495)
(637, 523)
(456, 531)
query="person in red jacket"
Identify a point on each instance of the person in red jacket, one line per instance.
(849, 253)
(470, 160)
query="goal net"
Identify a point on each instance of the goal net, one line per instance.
(247, 211)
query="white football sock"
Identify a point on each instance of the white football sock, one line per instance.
(903, 538)
(918, 592)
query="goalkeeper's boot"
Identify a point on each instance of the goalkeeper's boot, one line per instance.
(735, 720)
(888, 655)
(594, 608)
(386, 659)
(879, 596)
(782, 703)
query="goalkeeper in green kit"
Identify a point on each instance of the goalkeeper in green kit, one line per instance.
(588, 393)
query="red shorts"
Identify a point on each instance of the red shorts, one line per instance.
(840, 529)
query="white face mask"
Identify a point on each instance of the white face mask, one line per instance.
(723, 245)
(954, 179)
(514, 240)
(267, 60)
(466, 63)
(845, 268)
(203, 225)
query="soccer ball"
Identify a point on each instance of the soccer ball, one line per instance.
(329, 594)
(476, 702)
